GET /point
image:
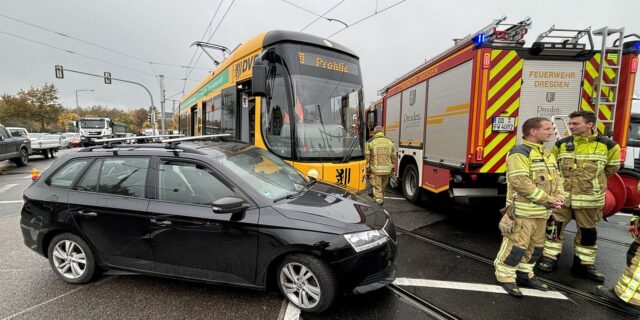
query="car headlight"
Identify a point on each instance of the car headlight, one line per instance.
(365, 240)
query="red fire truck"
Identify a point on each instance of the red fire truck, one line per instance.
(455, 117)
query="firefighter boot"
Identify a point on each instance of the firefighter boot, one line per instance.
(613, 298)
(511, 288)
(522, 278)
(547, 264)
(588, 271)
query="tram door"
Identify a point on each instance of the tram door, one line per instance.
(246, 110)
(196, 121)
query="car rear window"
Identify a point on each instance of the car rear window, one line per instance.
(64, 177)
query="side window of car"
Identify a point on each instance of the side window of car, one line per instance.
(122, 176)
(4, 133)
(64, 177)
(90, 180)
(181, 181)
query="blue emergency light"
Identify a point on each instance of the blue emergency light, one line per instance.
(479, 39)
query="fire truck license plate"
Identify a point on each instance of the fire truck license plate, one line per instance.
(504, 124)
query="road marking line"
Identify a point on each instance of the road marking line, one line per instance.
(12, 201)
(394, 198)
(475, 287)
(7, 187)
(56, 298)
(292, 312)
(24, 270)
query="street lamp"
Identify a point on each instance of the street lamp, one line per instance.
(77, 105)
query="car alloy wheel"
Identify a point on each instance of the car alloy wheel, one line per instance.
(69, 259)
(300, 285)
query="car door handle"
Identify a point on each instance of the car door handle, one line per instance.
(88, 214)
(161, 222)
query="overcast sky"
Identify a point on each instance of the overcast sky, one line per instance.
(389, 43)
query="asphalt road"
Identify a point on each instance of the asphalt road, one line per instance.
(462, 286)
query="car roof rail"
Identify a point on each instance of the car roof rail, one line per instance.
(173, 143)
(108, 143)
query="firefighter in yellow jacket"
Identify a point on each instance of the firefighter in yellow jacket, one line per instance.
(586, 159)
(626, 293)
(534, 187)
(380, 156)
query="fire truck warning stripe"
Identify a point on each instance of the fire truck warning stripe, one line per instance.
(504, 140)
(509, 77)
(499, 156)
(504, 71)
(498, 54)
(502, 63)
(508, 94)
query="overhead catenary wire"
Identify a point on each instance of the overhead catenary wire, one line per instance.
(209, 39)
(92, 43)
(84, 55)
(204, 34)
(367, 17)
(322, 15)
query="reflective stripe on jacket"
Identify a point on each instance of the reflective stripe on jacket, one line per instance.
(585, 168)
(533, 176)
(380, 154)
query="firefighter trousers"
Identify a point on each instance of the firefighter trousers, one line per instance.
(378, 182)
(585, 247)
(521, 249)
(628, 286)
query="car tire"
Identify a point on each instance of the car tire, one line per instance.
(316, 292)
(22, 159)
(53, 153)
(45, 153)
(410, 186)
(67, 260)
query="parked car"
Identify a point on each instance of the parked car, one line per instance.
(219, 212)
(74, 139)
(14, 148)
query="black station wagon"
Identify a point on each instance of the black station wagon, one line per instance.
(213, 211)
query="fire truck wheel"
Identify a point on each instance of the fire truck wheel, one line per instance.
(410, 186)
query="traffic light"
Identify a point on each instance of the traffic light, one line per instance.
(107, 77)
(59, 72)
(149, 117)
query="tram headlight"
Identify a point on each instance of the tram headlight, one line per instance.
(313, 172)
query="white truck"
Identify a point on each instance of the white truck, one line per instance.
(92, 129)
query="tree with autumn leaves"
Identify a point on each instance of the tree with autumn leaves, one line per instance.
(38, 110)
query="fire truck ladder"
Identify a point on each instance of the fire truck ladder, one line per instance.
(610, 89)
(513, 35)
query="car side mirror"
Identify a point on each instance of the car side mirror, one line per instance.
(259, 83)
(229, 205)
(1, 138)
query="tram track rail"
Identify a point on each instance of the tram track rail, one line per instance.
(554, 284)
(422, 304)
(612, 241)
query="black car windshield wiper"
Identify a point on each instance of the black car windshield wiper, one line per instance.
(298, 193)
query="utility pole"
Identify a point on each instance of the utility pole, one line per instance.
(107, 79)
(162, 104)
